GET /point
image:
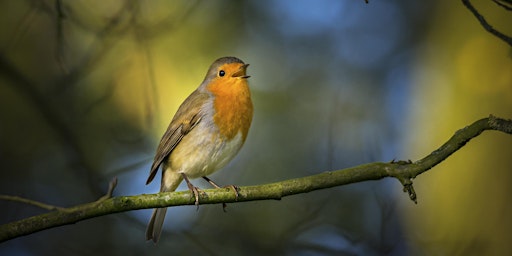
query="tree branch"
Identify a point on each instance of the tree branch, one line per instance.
(30, 202)
(485, 24)
(404, 171)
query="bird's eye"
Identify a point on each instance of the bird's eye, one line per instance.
(222, 73)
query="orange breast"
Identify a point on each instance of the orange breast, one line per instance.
(233, 107)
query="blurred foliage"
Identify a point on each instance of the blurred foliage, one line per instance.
(88, 87)
(465, 73)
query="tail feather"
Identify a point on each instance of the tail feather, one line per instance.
(170, 181)
(156, 224)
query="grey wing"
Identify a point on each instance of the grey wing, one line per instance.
(187, 117)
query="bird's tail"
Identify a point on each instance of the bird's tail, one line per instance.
(156, 224)
(170, 181)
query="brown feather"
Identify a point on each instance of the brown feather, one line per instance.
(182, 123)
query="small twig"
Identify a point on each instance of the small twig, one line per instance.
(111, 186)
(505, 4)
(59, 51)
(485, 24)
(48, 207)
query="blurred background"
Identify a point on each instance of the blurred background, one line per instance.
(87, 88)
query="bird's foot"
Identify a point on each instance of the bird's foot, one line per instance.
(234, 187)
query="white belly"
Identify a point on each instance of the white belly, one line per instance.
(200, 154)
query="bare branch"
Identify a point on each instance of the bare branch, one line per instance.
(505, 4)
(111, 186)
(31, 202)
(404, 171)
(485, 24)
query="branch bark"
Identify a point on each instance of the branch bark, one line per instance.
(404, 171)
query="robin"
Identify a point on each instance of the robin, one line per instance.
(207, 131)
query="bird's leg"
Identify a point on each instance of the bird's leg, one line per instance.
(235, 189)
(192, 189)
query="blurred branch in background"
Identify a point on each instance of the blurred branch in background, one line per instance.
(31, 202)
(505, 4)
(404, 171)
(63, 85)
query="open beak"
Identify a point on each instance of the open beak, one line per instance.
(241, 72)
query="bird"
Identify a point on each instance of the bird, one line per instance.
(205, 134)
